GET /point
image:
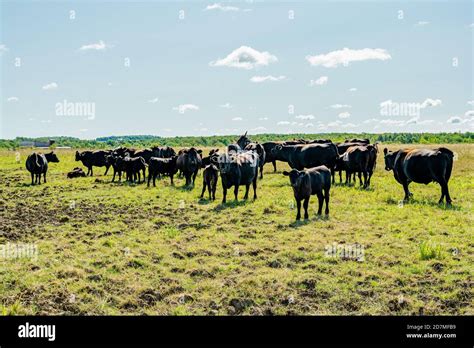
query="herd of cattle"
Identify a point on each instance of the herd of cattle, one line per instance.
(314, 166)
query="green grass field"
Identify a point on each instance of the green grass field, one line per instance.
(110, 248)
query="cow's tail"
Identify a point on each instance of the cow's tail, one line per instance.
(450, 157)
(143, 162)
(36, 160)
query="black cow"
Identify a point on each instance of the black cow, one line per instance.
(164, 152)
(146, 154)
(37, 164)
(209, 180)
(313, 181)
(118, 165)
(162, 166)
(211, 159)
(341, 149)
(133, 166)
(93, 159)
(319, 141)
(76, 173)
(121, 151)
(246, 144)
(238, 169)
(189, 161)
(355, 140)
(421, 166)
(271, 157)
(308, 156)
(358, 159)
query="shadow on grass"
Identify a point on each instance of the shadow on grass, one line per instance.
(232, 204)
(296, 224)
(423, 202)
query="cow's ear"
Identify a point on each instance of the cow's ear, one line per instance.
(285, 173)
(385, 150)
(199, 151)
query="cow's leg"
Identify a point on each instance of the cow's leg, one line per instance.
(236, 192)
(326, 198)
(366, 183)
(204, 185)
(348, 177)
(340, 176)
(254, 184)
(171, 177)
(333, 174)
(320, 202)
(274, 166)
(88, 171)
(247, 186)
(113, 178)
(120, 176)
(149, 178)
(407, 192)
(194, 176)
(305, 206)
(224, 193)
(444, 192)
(298, 206)
(214, 191)
(261, 172)
(106, 170)
(44, 177)
(209, 187)
(32, 179)
(144, 171)
(360, 178)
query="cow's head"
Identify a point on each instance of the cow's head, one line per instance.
(52, 157)
(296, 177)
(78, 156)
(243, 141)
(227, 162)
(389, 158)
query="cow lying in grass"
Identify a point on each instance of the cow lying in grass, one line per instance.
(421, 166)
(313, 181)
(76, 173)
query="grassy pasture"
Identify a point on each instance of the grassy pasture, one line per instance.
(115, 248)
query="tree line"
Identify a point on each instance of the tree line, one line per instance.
(140, 141)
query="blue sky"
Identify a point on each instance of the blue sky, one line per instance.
(227, 67)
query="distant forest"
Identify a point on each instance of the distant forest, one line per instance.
(223, 140)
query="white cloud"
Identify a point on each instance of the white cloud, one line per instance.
(470, 102)
(283, 123)
(3, 49)
(13, 99)
(263, 119)
(430, 102)
(346, 55)
(258, 79)
(334, 123)
(349, 125)
(185, 107)
(422, 23)
(353, 89)
(153, 101)
(455, 120)
(344, 115)
(99, 46)
(305, 117)
(320, 81)
(259, 129)
(237, 119)
(218, 6)
(469, 113)
(471, 25)
(245, 57)
(50, 86)
(371, 120)
(340, 106)
(226, 106)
